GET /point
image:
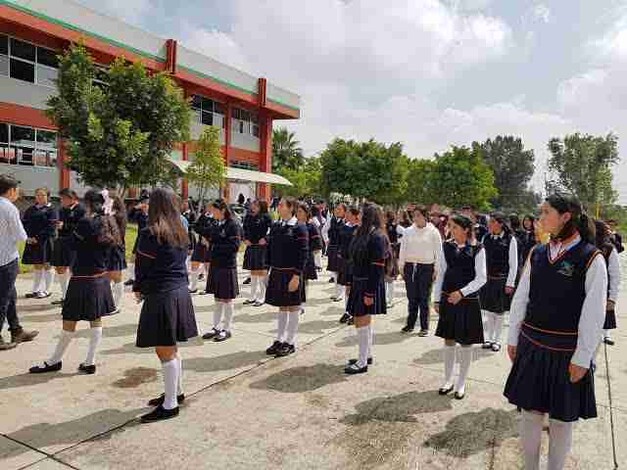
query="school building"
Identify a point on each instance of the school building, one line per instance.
(34, 32)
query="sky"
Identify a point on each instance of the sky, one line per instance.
(426, 73)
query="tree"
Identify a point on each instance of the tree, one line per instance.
(286, 152)
(306, 181)
(338, 161)
(119, 133)
(582, 165)
(461, 177)
(207, 169)
(513, 167)
(419, 182)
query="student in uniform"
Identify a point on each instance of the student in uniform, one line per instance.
(287, 254)
(88, 296)
(419, 258)
(139, 215)
(318, 220)
(256, 228)
(202, 250)
(40, 223)
(501, 250)
(604, 243)
(190, 218)
(344, 275)
(315, 243)
(367, 253)
(615, 237)
(461, 274)
(167, 315)
(331, 232)
(63, 255)
(556, 321)
(225, 239)
(117, 254)
(529, 237)
(391, 264)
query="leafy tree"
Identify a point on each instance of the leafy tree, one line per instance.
(118, 134)
(338, 162)
(419, 182)
(513, 167)
(582, 165)
(286, 152)
(462, 177)
(207, 169)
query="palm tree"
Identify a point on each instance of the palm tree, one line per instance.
(286, 152)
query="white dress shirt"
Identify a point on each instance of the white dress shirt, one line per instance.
(613, 271)
(512, 258)
(592, 312)
(11, 231)
(481, 276)
(420, 245)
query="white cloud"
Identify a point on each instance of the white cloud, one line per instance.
(131, 11)
(541, 12)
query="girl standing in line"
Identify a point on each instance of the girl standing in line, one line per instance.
(117, 254)
(256, 228)
(345, 270)
(610, 254)
(315, 243)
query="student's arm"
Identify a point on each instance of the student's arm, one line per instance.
(518, 308)
(439, 280)
(613, 270)
(145, 259)
(481, 276)
(377, 265)
(513, 263)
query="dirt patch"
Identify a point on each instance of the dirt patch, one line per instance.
(136, 377)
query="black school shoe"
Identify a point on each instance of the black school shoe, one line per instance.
(129, 283)
(30, 295)
(272, 350)
(249, 301)
(331, 280)
(159, 414)
(354, 361)
(159, 400)
(285, 350)
(46, 368)
(57, 302)
(355, 369)
(407, 329)
(423, 333)
(89, 370)
(344, 318)
(445, 391)
(487, 345)
(211, 334)
(222, 336)
(247, 281)
(609, 341)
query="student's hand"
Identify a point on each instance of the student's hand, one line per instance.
(610, 305)
(263, 242)
(455, 297)
(509, 290)
(511, 352)
(436, 307)
(368, 301)
(294, 283)
(138, 297)
(576, 372)
(247, 242)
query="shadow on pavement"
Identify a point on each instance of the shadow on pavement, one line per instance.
(436, 356)
(316, 326)
(225, 362)
(302, 379)
(27, 379)
(390, 337)
(116, 331)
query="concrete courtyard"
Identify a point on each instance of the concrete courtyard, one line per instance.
(247, 410)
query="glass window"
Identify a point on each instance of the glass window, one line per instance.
(4, 44)
(207, 119)
(23, 70)
(4, 65)
(46, 139)
(218, 108)
(23, 136)
(46, 76)
(196, 102)
(207, 105)
(4, 132)
(47, 57)
(23, 50)
(24, 155)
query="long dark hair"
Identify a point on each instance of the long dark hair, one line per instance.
(305, 208)
(263, 206)
(514, 222)
(292, 204)
(221, 204)
(371, 224)
(579, 220)
(501, 218)
(119, 213)
(109, 230)
(531, 218)
(164, 218)
(602, 237)
(464, 222)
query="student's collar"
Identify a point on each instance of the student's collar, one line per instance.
(291, 222)
(497, 237)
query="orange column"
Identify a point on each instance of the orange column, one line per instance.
(227, 147)
(184, 184)
(64, 172)
(265, 163)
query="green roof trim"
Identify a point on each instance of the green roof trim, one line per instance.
(216, 79)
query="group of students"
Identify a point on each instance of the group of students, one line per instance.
(560, 294)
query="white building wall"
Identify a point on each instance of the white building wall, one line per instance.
(33, 177)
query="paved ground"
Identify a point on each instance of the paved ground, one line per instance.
(246, 410)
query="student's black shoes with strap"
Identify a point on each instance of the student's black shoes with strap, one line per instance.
(159, 414)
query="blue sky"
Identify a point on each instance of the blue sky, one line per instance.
(427, 73)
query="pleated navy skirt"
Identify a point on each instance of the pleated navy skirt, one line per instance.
(200, 253)
(278, 294)
(333, 260)
(38, 253)
(539, 378)
(310, 273)
(462, 322)
(167, 318)
(610, 320)
(116, 258)
(493, 296)
(391, 263)
(345, 272)
(256, 258)
(88, 298)
(356, 306)
(62, 253)
(222, 283)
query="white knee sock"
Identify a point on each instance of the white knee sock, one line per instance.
(37, 280)
(487, 326)
(170, 383)
(498, 327)
(370, 339)
(560, 441)
(261, 286)
(606, 334)
(229, 310)
(193, 276)
(95, 336)
(64, 341)
(48, 279)
(339, 290)
(131, 271)
(363, 337)
(281, 326)
(390, 294)
(317, 259)
(63, 280)
(179, 388)
(531, 437)
(449, 365)
(118, 293)
(254, 283)
(217, 315)
(465, 357)
(292, 326)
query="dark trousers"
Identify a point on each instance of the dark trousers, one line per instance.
(8, 295)
(418, 283)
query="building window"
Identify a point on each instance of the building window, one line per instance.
(21, 145)
(245, 122)
(207, 112)
(28, 62)
(243, 165)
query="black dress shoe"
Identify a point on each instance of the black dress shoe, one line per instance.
(332, 280)
(609, 341)
(445, 391)
(87, 369)
(355, 369)
(130, 282)
(222, 336)
(249, 301)
(345, 318)
(460, 396)
(31, 295)
(285, 350)
(354, 361)
(211, 334)
(159, 401)
(46, 368)
(272, 350)
(193, 291)
(258, 303)
(159, 414)
(423, 333)
(407, 329)
(57, 302)
(247, 281)
(487, 345)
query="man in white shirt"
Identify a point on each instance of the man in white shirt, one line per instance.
(11, 232)
(420, 253)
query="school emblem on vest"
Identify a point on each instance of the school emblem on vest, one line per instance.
(566, 269)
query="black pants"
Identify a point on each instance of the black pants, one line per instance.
(418, 283)
(8, 295)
